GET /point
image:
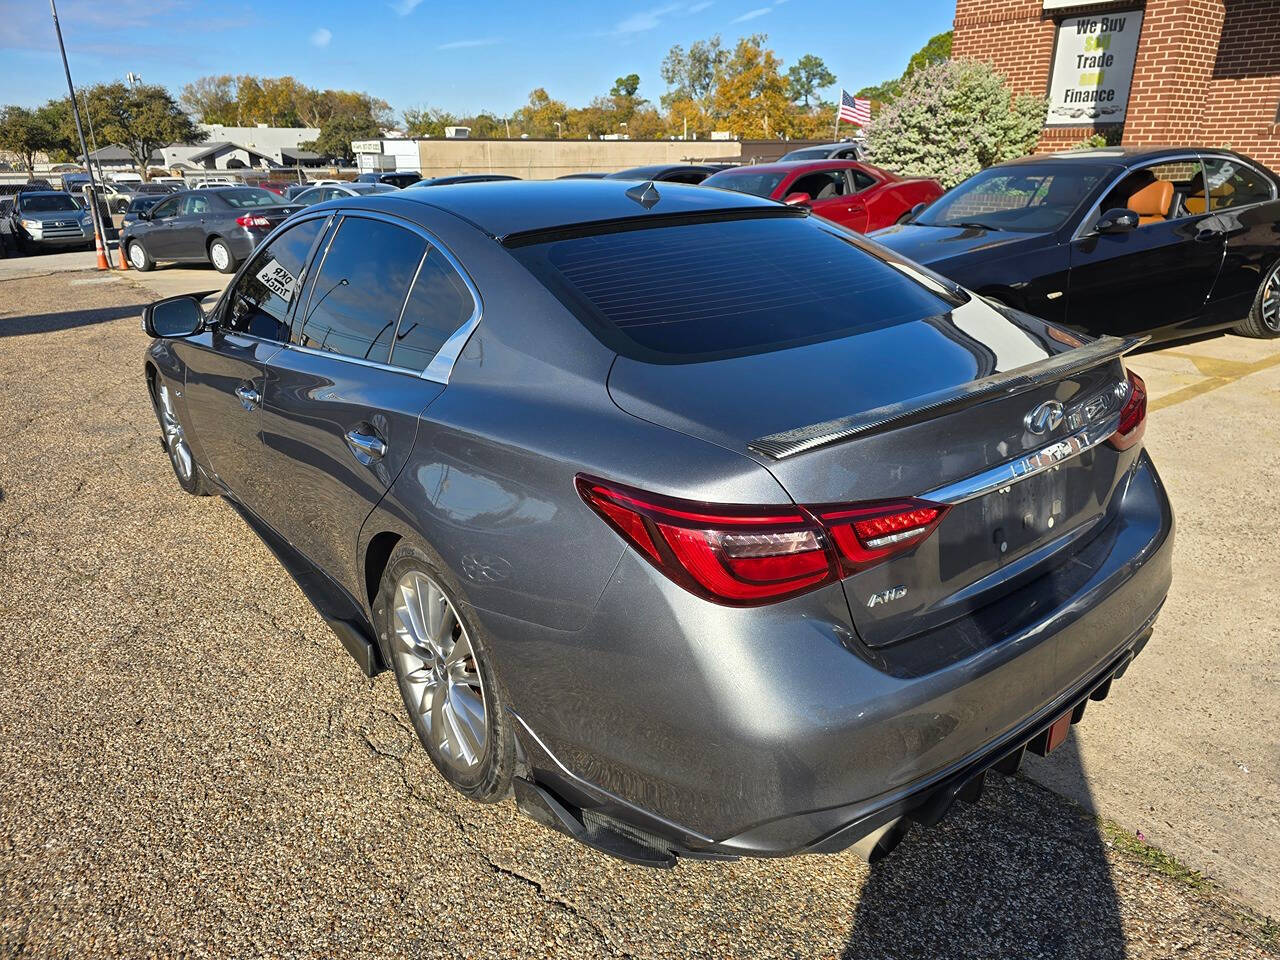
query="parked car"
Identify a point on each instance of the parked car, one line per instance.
(338, 191)
(1118, 240)
(117, 195)
(674, 510)
(852, 194)
(47, 221)
(143, 201)
(278, 187)
(398, 178)
(296, 188)
(585, 175)
(217, 226)
(455, 178)
(671, 172)
(844, 150)
(204, 183)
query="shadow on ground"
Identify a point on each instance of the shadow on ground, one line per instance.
(1018, 874)
(51, 322)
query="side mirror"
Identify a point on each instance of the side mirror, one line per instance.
(1118, 220)
(797, 200)
(174, 316)
(144, 214)
(914, 212)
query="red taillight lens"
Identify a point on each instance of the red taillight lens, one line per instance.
(1133, 416)
(253, 220)
(744, 556)
(869, 533)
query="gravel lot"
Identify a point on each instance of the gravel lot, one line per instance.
(191, 766)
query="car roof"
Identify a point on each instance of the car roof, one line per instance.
(1119, 156)
(794, 166)
(658, 169)
(507, 207)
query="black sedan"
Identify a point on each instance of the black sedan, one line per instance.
(670, 172)
(221, 227)
(1167, 242)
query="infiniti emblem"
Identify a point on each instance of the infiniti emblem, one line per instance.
(1045, 418)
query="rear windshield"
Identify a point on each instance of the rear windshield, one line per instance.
(730, 287)
(241, 197)
(759, 184)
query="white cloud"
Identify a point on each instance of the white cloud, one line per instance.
(321, 37)
(752, 14)
(464, 44)
(646, 19)
(405, 7)
(699, 7)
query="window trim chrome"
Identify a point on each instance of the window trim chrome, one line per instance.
(440, 369)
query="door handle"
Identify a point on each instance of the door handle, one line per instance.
(367, 448)
(249, 398)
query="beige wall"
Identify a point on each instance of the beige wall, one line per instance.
(546, 159)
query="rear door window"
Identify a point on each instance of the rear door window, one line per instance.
(1235, 184)
(725, 287)
(439, 303)
(354, 302)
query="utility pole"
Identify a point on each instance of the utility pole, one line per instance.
(95, 216)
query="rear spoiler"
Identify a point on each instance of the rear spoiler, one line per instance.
(788, 443)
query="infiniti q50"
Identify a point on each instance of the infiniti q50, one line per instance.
(704, 526)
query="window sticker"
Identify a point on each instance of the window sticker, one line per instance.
(278, 280)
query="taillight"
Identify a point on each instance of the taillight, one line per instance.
(1133, 416)
(745, 556)
(253, 220)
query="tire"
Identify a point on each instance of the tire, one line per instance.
(1263, 321)
(174, 438)
(220, 255)
(139, 259)
(413, 603)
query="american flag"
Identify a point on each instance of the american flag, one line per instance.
(854, 109)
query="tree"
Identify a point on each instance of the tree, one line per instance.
(24, 132)
(937, 49)
(141, 119)
(626, 86)
(212, 99)
(337, 133)
(806, 77)
(538, 117)
(953, 119)
(693, 75)
(427, 122)
(751, 94)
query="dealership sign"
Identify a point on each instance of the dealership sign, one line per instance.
(1093, 61)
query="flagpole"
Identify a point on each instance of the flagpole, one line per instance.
(835, 134)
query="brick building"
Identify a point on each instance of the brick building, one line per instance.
(1161, 72)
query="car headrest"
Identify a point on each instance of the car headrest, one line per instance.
(1152, 202)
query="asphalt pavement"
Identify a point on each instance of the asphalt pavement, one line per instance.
(192, 766)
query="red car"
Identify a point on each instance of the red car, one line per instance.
(848, 192)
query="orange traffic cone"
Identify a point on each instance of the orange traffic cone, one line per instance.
(124, 261)
(102, 253)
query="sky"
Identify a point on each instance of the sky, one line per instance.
(459, 57)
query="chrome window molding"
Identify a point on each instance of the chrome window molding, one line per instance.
(441, 366)
(1081, 233)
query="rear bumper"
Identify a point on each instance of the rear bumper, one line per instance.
(762, 733)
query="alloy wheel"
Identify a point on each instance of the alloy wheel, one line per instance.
(174, 439)
(438, 663)
(1271, 300)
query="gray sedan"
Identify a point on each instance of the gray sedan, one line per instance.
(340, 192)
(221, 227)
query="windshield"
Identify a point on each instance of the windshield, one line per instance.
(46, 203)
(1025, 198)
(759, 184)
(809, 153)
(241, 197)
(144, 202)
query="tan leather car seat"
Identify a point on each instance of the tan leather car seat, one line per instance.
(1194, 200)
(1151, 203)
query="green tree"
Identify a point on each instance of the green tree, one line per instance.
(626, 86)
(141, 119)
(953, 119)
(937, 49)
(806, 77)
(427, 122)
(693, 75)
(25, 133)
(336, 135)
(538, 117)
